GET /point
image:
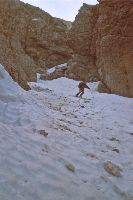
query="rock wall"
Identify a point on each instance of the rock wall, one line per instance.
(115, 46)
(82, 40)
(104, 44)
(30, 40)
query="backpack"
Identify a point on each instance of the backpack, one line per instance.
(81, 85)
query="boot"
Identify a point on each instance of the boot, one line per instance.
(77, 94)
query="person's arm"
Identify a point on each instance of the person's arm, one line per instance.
(87, 87)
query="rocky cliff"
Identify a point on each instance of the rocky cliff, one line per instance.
(82, 65)
(115, 46)
(30, 40)
(104, 45)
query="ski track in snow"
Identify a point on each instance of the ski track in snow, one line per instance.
(82, 133)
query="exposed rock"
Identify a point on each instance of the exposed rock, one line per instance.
(104, 45)
(112, 169)
(116, 150)
(81, 40)
(113, 139)
(30, 40)
(57, 73)
(103, 88)
(107, 1)
(43, 132)
(115, 46)
(70, 167)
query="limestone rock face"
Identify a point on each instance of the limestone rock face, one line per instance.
(115, 46)
(82, 40)
(30, 40)
(104, 45)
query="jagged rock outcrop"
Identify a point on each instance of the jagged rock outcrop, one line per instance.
(30, 40)
(104, 43)
(82, 41)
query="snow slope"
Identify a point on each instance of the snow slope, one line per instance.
(83, 134)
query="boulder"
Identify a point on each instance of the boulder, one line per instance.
(112, 169)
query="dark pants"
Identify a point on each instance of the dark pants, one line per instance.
(80, 93)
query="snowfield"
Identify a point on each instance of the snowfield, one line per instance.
(54, 146)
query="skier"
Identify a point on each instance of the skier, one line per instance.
(82, 85)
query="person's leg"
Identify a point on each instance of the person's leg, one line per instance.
(81, 92)
(78, 92)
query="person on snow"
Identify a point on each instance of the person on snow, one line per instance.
(82, 85)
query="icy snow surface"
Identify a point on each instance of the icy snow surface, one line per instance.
(82, 134)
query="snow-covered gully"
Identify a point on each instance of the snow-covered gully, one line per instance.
(54, 146)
